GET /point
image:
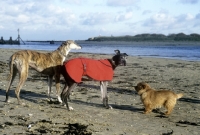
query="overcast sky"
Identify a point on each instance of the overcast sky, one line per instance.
(82, 19)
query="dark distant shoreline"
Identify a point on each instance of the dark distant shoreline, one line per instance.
(149, 37)
(139, 42)
(139, 38)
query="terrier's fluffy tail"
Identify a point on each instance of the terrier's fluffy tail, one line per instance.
(179, 95)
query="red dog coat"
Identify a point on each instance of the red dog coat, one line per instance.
(100, 70)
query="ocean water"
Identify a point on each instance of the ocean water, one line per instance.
(183, 51)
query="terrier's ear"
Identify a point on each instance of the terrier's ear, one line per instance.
(125, 54)
(143, 85)
(117, 51)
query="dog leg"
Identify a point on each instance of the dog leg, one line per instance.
(50, 79)
(103, 87)
(11, 77)
(66, 93)
(22, 78)
(57, 80)
(169, 105)
(148, 108)
(103, 93)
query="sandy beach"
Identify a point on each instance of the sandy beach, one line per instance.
(39, 116)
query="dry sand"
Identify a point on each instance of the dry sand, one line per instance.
(39, 116)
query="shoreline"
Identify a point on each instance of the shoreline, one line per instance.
(140, 42)
(42, 117)
(128, 42)
(142, 56)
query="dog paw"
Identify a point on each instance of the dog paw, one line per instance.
(48, 99)
(109, 107)
(71, 109)
(146, 112)
(59, 100)
(23, 104)
(7, 101)
(167, 114)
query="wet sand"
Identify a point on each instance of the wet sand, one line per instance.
(39, 116)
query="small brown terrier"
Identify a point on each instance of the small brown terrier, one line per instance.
(153, 99)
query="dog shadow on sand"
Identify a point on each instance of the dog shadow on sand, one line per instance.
(100, 105)
(25, 95)
(195, 101)
(32, 96)
(86, 87)
(109, 89)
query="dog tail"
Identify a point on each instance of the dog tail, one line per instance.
(11, 67)
(179, 95)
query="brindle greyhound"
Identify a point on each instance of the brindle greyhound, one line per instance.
(73, 72)
(45, 63)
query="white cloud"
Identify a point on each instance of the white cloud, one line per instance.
(189, 1)
(165, 23)
(124, 17)
(38, 15)
(198, 16)
(86, 18)
(55, 10)
(22, 19)
(121, 2)
(145, 12)
(96, 18)
(159, 20)
(184, 18)
(76, 2)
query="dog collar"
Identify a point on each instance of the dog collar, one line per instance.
(112, 63)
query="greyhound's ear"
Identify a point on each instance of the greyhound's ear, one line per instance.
(117, 51)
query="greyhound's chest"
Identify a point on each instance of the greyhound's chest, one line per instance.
(100, 70)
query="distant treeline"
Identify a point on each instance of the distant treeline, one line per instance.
(149, 37)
